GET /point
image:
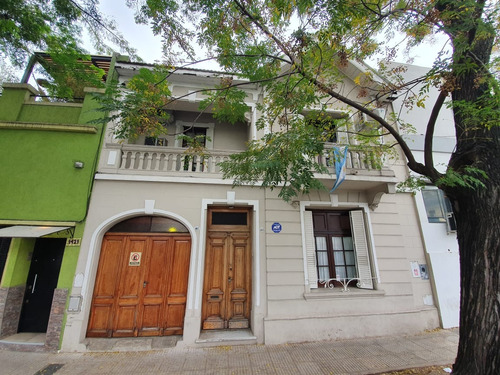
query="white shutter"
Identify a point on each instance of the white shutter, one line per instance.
(312, 271)
(361, 249)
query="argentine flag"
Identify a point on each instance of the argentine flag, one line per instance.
(340, 168)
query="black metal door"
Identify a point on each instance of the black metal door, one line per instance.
(42, 280)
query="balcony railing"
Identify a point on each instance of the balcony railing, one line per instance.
(358, 160)
(138, 159)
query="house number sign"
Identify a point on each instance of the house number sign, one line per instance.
(276, 227)
(73, 241)
(135, 258)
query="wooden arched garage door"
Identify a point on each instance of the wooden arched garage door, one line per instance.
(141, 285)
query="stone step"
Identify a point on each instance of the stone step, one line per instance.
(130, 344)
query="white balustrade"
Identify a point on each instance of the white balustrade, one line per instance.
(361, 159)
(166, 160)
(160, 160)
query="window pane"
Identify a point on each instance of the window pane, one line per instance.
(349, 258)
(163, 224)
(141, 224)
(229, 218)
(338, 258)
(347, 243)
(340, 271)
(149, 224)
(433, 206)
(322, 258)
(351, 271)
(320, 243)
(196, 133)
(337, 243)
(324, 273)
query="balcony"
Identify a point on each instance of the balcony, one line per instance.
(169, 161)
(153, 162)
(161, 161)
(360, 161)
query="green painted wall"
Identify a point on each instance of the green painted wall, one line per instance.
(50, 113)
(18, 262)
(69, 261)
(38, 179)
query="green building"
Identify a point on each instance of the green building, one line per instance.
(49, 151)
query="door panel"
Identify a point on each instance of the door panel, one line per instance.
(215, 283)
(177, 287)
(108, 274)
(227, 282)
(130, 288)
(133, 286)
(42, 280)
(157, 266)
(240, 258)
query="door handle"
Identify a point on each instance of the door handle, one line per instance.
(145, 283)
(34, 284)
(230, 279)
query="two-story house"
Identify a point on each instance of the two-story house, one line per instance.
(172, 249)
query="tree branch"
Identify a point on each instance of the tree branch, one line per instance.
(412, 163)
(264, 29)
(231, 86)
(429, 134)
(216, 57)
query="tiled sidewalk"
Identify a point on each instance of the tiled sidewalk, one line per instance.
(367, 356)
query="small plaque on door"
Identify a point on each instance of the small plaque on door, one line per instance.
(135, 258)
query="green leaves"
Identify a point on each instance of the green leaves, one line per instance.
(299, 52)
(285, 160)
(226, 102)
(140, 108)
(470, 178)
(56, 27)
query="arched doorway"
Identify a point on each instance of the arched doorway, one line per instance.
(141, 282)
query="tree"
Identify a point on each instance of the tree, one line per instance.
(297, 49)
(7, 73)
(55, 27)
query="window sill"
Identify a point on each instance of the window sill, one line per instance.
(353, 292)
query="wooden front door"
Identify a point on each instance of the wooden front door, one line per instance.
(228, 258)
(141, 286)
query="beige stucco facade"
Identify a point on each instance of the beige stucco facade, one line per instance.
(286, 305)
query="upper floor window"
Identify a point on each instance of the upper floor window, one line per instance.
(203, 132)
(328, 122)
(328, 126)
(438, 208)
(197, 134)
(155, 141)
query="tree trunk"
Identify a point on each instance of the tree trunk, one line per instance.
(477, 209)
(478, 230)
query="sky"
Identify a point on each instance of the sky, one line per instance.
(139, 37)
(149, 47)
